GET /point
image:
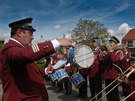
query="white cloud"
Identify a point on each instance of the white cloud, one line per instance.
(123, 6)
(110, 31)
(68, 36)
(123, 28)
(57, 26)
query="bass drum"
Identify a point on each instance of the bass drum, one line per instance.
(81, 56)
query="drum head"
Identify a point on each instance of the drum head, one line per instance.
(84, 56)
(59, 64)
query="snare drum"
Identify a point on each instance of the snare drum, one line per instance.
(54, 76)
(81, 56)
(77, 80)
(62, 75)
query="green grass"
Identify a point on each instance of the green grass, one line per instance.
(40, 65)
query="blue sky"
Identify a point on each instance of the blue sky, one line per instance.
(54, 18)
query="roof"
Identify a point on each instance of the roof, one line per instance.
(130, 35)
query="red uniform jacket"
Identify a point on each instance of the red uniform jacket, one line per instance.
(94, 70)
(84, 71)
(113, 57)
(21, 79)
(131, 85)
(125, 62)
(0, 64)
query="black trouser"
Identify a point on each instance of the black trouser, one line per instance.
(95, 87)
(83, 88)
(68, 86)
(114, 94)
(60, 85)
(125, 88)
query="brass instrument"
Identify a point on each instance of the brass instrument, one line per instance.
(126, 78)
(118, 47)
(104, 51)
(128, 96)
(122, 78)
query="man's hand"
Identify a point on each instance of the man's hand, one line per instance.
(50, 70)
(65, 42)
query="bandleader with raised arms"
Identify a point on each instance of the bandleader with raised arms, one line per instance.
(21, 79)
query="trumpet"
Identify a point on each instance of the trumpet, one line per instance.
(118, 47)
(122, 78)
(104, 51)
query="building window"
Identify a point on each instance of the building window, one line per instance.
(130, 43)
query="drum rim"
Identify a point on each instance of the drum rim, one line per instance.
(74, 75)
(78, 85)
(65, 77)
(72, 62)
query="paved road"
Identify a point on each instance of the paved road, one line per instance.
(0, 91)
(55, 95)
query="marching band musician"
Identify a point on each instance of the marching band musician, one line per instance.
(112, 68)
(69, 68)
(95, 79)
(20, 77)
(60, 56)
(53, 61)
(131, 86)
(126, 58)
(47, 64)
(83, 89)
(125, 62)
(67, 84)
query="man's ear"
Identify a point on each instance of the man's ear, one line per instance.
(19, 30)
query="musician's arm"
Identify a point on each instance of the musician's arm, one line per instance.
(115, 57)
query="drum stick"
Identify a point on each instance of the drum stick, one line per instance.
(84, 59)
